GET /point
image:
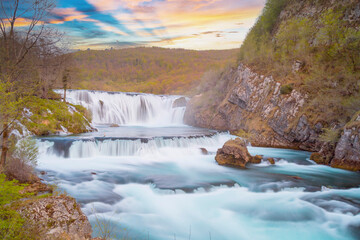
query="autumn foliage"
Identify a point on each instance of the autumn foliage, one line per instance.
(145, 69)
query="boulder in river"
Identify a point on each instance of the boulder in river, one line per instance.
(204, 151)
(256, 159)
(233, 153)
(271, 161)
(180, 102)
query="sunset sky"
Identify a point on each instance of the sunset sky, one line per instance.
(190, 24)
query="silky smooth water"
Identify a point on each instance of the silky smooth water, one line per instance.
(150, 182)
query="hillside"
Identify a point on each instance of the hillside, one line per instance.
(296, 84)
(151, 70)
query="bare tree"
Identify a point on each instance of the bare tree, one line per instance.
(23, 30)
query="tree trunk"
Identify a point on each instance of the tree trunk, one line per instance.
(64, 95)
(4, 148)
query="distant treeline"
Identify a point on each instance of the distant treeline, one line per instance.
(145, 69)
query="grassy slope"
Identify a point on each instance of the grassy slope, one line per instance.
(324, 41)
(152, 70)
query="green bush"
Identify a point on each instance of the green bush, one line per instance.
(48, 116)
(286, 89)
(12, 225)
(330, 135)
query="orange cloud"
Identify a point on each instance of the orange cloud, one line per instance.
(68, 15)
(20, 22)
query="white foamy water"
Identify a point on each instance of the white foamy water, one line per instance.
(131, 147)
(156, 182)
(128, 108)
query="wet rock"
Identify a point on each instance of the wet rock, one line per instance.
(318, 158)
(256, 159)
(180, 102)
(60, 216)
(114, 125)
(233, 153)
(204, 151)
(347, 151)
(271, 161)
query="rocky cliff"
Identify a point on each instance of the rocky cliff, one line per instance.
(296, 84)
(256, 106)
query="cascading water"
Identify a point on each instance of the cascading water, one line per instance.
(154, 178)
(128, 108)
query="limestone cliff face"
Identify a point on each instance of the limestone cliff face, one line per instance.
(347, 151)
(256, 105)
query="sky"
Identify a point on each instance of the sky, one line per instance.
(189, 24)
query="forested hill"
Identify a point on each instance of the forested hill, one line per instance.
(144, 69)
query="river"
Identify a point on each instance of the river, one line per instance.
(147, 178)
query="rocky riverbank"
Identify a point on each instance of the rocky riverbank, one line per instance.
(55, 215)
(258, 107)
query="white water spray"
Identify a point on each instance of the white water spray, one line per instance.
(128, 108)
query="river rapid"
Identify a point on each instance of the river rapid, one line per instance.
(147, 178)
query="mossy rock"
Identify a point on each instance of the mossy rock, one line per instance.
(286, 89)
(318, 158)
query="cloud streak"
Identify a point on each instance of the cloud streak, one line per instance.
(192, 24)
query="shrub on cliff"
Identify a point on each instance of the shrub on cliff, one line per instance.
(286, 89)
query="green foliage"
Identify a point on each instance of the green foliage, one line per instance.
(11, 223)
(292, 41)
(330, 135)
(325, 43)
(27, 150)
(49, 115)
(10, 190)
(243, 134)
(269, 16)
(286, 89)
(258, 40)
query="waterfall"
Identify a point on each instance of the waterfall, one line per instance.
(135, 109)
(81, 148)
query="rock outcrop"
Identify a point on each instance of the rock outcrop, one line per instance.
(254, 104)
(59, 216)
(233, 153)
(180, 102)
(347, 151)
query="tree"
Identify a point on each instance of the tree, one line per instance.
(65, 81)
(18, 45)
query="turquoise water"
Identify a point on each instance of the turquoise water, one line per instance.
(154, 183)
